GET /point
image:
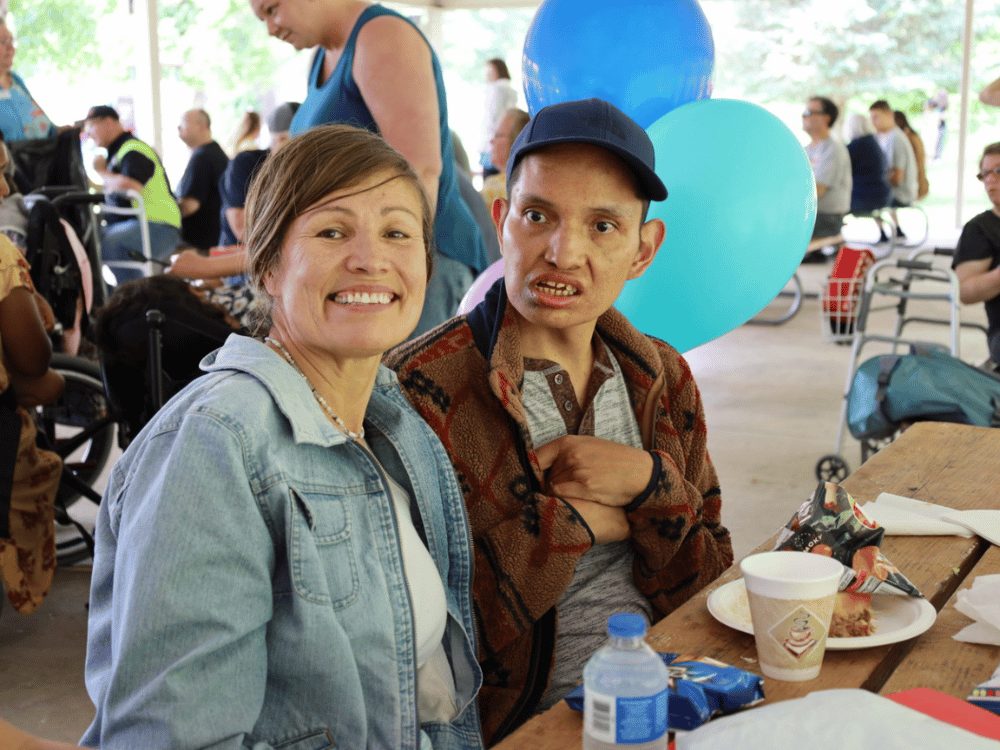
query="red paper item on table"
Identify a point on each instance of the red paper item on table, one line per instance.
(951, 710)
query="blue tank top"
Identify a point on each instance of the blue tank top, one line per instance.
(339, 100)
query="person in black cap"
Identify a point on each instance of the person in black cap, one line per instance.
(579, 442)
(132, 164)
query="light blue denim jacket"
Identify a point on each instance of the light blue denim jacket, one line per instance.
(248, 587)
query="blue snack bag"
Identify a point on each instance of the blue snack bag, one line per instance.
(700, 688)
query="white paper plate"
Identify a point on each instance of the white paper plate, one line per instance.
(897, 618)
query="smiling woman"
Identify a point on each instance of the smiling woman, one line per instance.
(301, 507)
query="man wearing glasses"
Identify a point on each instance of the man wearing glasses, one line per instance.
(977, 258)
(831, 165)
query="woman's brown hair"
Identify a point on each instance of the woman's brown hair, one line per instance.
(305, 170)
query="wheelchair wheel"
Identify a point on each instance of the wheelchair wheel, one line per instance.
(79, 426)
(870, 447)
(831, 468)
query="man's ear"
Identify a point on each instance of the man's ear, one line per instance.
(651, 236)
(500, 209)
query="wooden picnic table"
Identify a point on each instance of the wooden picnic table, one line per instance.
(946, 464)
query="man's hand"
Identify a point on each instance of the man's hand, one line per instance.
(607, 523)
(581, 467)
(100, 164)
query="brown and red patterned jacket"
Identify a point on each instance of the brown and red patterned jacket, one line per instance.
(464, 378)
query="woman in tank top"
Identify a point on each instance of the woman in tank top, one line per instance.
(374, 69)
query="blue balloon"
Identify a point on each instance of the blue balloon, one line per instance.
(739, 215)
(646, 57)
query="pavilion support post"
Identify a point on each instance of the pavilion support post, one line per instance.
(967, 41)
(148, 109)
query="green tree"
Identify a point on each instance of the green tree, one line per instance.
(220, 47)
(58, 34)
(866, 49)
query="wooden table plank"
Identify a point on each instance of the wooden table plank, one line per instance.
(938, 660)
(952, 465)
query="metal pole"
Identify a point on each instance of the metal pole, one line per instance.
(964, 109)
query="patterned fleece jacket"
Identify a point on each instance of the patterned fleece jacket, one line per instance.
(464, 378)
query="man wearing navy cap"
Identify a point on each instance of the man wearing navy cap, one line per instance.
(579, 442)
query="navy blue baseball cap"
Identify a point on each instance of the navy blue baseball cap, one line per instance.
(596, 122)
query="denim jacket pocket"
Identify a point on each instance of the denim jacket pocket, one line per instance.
(324, 568)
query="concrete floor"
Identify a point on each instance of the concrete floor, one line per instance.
(772, 397)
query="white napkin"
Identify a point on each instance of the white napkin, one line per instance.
(900, 516)
(985, 523)
(814, 721)
(981, 602)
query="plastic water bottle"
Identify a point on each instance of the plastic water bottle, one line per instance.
(625, 691)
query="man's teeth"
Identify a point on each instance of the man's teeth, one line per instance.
(363, 298)
(557, 288)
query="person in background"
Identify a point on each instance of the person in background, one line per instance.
(29, 476)
(977, 257)
(901, 169)
(581, 442)
(198, 190)
(233, 188)
(870, 188)
(510, 126)
(282, 555)
(375, 69)
(470, 196)
(247, 133)
(939, 105)
(831, 166)
(499, 97)
(917, 144)
(13, 210)
(225, 272)
(21, 118)
(132, 164)
(991, 94)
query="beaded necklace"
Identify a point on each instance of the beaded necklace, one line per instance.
(356, 436)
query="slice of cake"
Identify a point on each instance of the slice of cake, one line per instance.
(852, 616)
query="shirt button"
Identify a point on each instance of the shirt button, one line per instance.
(568, 405)
(558, 378)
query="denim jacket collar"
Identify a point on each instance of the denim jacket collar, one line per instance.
(290, 391)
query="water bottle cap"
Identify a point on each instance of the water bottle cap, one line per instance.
(626, 625)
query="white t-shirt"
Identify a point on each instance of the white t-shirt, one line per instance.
(899, 155)
(832, 166)
(435, 681)
(500, 96)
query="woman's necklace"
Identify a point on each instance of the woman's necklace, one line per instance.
(356, 436)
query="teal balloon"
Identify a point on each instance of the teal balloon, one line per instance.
(646, 57)
(739, 215)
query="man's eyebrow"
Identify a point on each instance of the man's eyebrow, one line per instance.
(618, 212)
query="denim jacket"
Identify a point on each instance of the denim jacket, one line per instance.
(248, 588)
